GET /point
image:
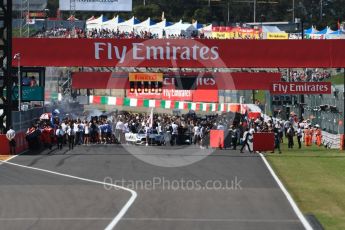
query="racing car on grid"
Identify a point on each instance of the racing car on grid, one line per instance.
(139, 138)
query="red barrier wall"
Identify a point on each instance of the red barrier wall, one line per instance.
(21, 146)
(263, 141)
(217, 138)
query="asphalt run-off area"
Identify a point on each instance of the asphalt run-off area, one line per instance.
(113, 187)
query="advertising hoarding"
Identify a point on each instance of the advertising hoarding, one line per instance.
(301, 88)
(184, 53)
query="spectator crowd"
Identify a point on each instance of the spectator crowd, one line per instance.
(187, 129)
(307, 75)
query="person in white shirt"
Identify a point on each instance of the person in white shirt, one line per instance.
(196, 131)
(245, 139)
(174, 133)
(120, 126)
(220, 126)
(81, 127)
(71, 136)
(10, 135)
(76, 130)
(86, 133)
(147, 132)
(64, 128)
(60, 135)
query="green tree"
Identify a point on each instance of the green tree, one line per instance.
(143, 12)
(202, 15)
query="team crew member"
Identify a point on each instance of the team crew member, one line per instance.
(71, 136)
(10, 135)
(299, 136)
(234, 136)
(174, 133)
(246, 136)
(311, 135)
(290, 133)
(86, 133)
(318, 135)
(307, 137)
(60, 136)
(276, 140)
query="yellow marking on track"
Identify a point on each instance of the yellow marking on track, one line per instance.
(5, 157)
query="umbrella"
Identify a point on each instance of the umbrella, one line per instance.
(45, 116)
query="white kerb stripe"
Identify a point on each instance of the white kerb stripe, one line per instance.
(287, 195)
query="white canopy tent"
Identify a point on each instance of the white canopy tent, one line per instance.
(159, 27)
(128, 26)
(180, 28)
(207, 30)
(144, 26)
(95, 23)
(112, 23)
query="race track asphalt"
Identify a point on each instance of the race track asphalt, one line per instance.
(222, 190)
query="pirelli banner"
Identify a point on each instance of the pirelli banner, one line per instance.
(97, 5)
(181, 53)
(143, 77)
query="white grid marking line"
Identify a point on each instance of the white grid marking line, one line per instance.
(117, 218)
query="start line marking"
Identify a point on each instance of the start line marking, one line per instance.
(116, 219)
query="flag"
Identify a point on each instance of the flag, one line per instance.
(151, 103)
(163, 17)
(166, 104)
(104, 100)
(204, 107)
(151, 118)
(181, 105)
(133, 102)
(115, 101)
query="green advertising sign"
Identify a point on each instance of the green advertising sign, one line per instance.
(29, 93)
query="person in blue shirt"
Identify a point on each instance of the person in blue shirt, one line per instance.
(109, 132)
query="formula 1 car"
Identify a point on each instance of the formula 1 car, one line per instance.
(140, 138)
